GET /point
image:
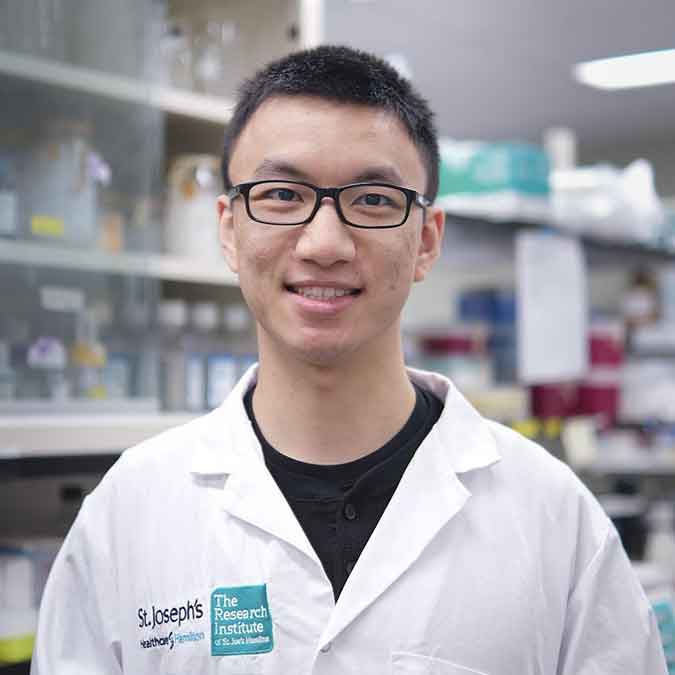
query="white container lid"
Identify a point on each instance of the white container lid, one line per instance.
(172, 313)
(204, 316)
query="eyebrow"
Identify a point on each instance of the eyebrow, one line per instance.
(280, 168)
(387, 174)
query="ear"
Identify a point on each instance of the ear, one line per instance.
(431, 237)
(228, 243)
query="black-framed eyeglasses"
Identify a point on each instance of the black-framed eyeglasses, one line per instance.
(289, 202)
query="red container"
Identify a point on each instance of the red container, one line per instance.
(554, 400)
(599, 393)
(602, 402)
(606, 343)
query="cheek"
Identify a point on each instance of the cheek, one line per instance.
(258, 254)
(400, 261)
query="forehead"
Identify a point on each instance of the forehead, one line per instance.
(326, 141)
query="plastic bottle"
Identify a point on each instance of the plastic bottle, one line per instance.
(16, 333)
(641, 300)
(146, 365)
(172, 318)
(201, 344)
(236, 353)
(88, 356)
(9, 203)
(117, 372)
(47, 360)
(7, 375)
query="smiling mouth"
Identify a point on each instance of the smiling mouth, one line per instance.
(322, 292)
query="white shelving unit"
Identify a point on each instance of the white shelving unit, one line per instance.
(65, 76)
(102, 427)
(23, 436)
(642, 464)
(168, 268)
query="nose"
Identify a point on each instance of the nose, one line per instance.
(326, 240)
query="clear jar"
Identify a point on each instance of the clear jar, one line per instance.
(176, 52)
(192, 222)
(60, 187)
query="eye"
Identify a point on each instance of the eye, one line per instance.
(282, 195)
(373, 199)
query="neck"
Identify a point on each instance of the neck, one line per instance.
(332, 414)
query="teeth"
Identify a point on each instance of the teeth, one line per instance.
(321, 293)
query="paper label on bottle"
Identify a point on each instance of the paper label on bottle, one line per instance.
(8, 212)
(47, 226)
(61, 299)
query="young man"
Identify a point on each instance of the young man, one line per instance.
(339, 513)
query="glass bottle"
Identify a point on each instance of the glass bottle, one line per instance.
(172, 318)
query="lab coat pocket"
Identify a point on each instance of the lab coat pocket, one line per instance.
(404, 663)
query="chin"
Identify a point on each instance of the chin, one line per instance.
(321, 356)
(316, 350)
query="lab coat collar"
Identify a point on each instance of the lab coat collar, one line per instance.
(428, 496)
(466, 436)
(468, 439)
(225, 440)
(227, 448)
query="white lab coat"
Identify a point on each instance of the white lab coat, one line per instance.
(491, 558)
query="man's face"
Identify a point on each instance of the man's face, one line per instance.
(280, 268)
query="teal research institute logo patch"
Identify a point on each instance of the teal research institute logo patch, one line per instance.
(240, 621)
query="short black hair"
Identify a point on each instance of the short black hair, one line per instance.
(343, 75)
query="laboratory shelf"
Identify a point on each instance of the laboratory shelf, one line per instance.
(84, 434)
(116, 87)
(152, 265)
(640, 465)
(613, 248)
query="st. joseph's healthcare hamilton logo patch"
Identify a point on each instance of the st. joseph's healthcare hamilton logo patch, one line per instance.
(240, 621)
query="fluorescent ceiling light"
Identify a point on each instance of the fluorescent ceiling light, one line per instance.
(623, 72)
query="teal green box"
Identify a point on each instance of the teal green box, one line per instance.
(483, 168)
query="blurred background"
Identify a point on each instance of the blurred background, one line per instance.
(552, 307)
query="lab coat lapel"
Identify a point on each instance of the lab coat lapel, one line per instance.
(251, 495)
(230, 449)
(429, 495)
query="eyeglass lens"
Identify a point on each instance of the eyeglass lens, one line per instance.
(366, 205)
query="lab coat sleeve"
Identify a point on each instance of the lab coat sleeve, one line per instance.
(76, 628)
(610, 628)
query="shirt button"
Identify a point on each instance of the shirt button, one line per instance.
(326, 648)
(350, 512)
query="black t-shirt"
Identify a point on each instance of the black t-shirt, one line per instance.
(339, 505)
